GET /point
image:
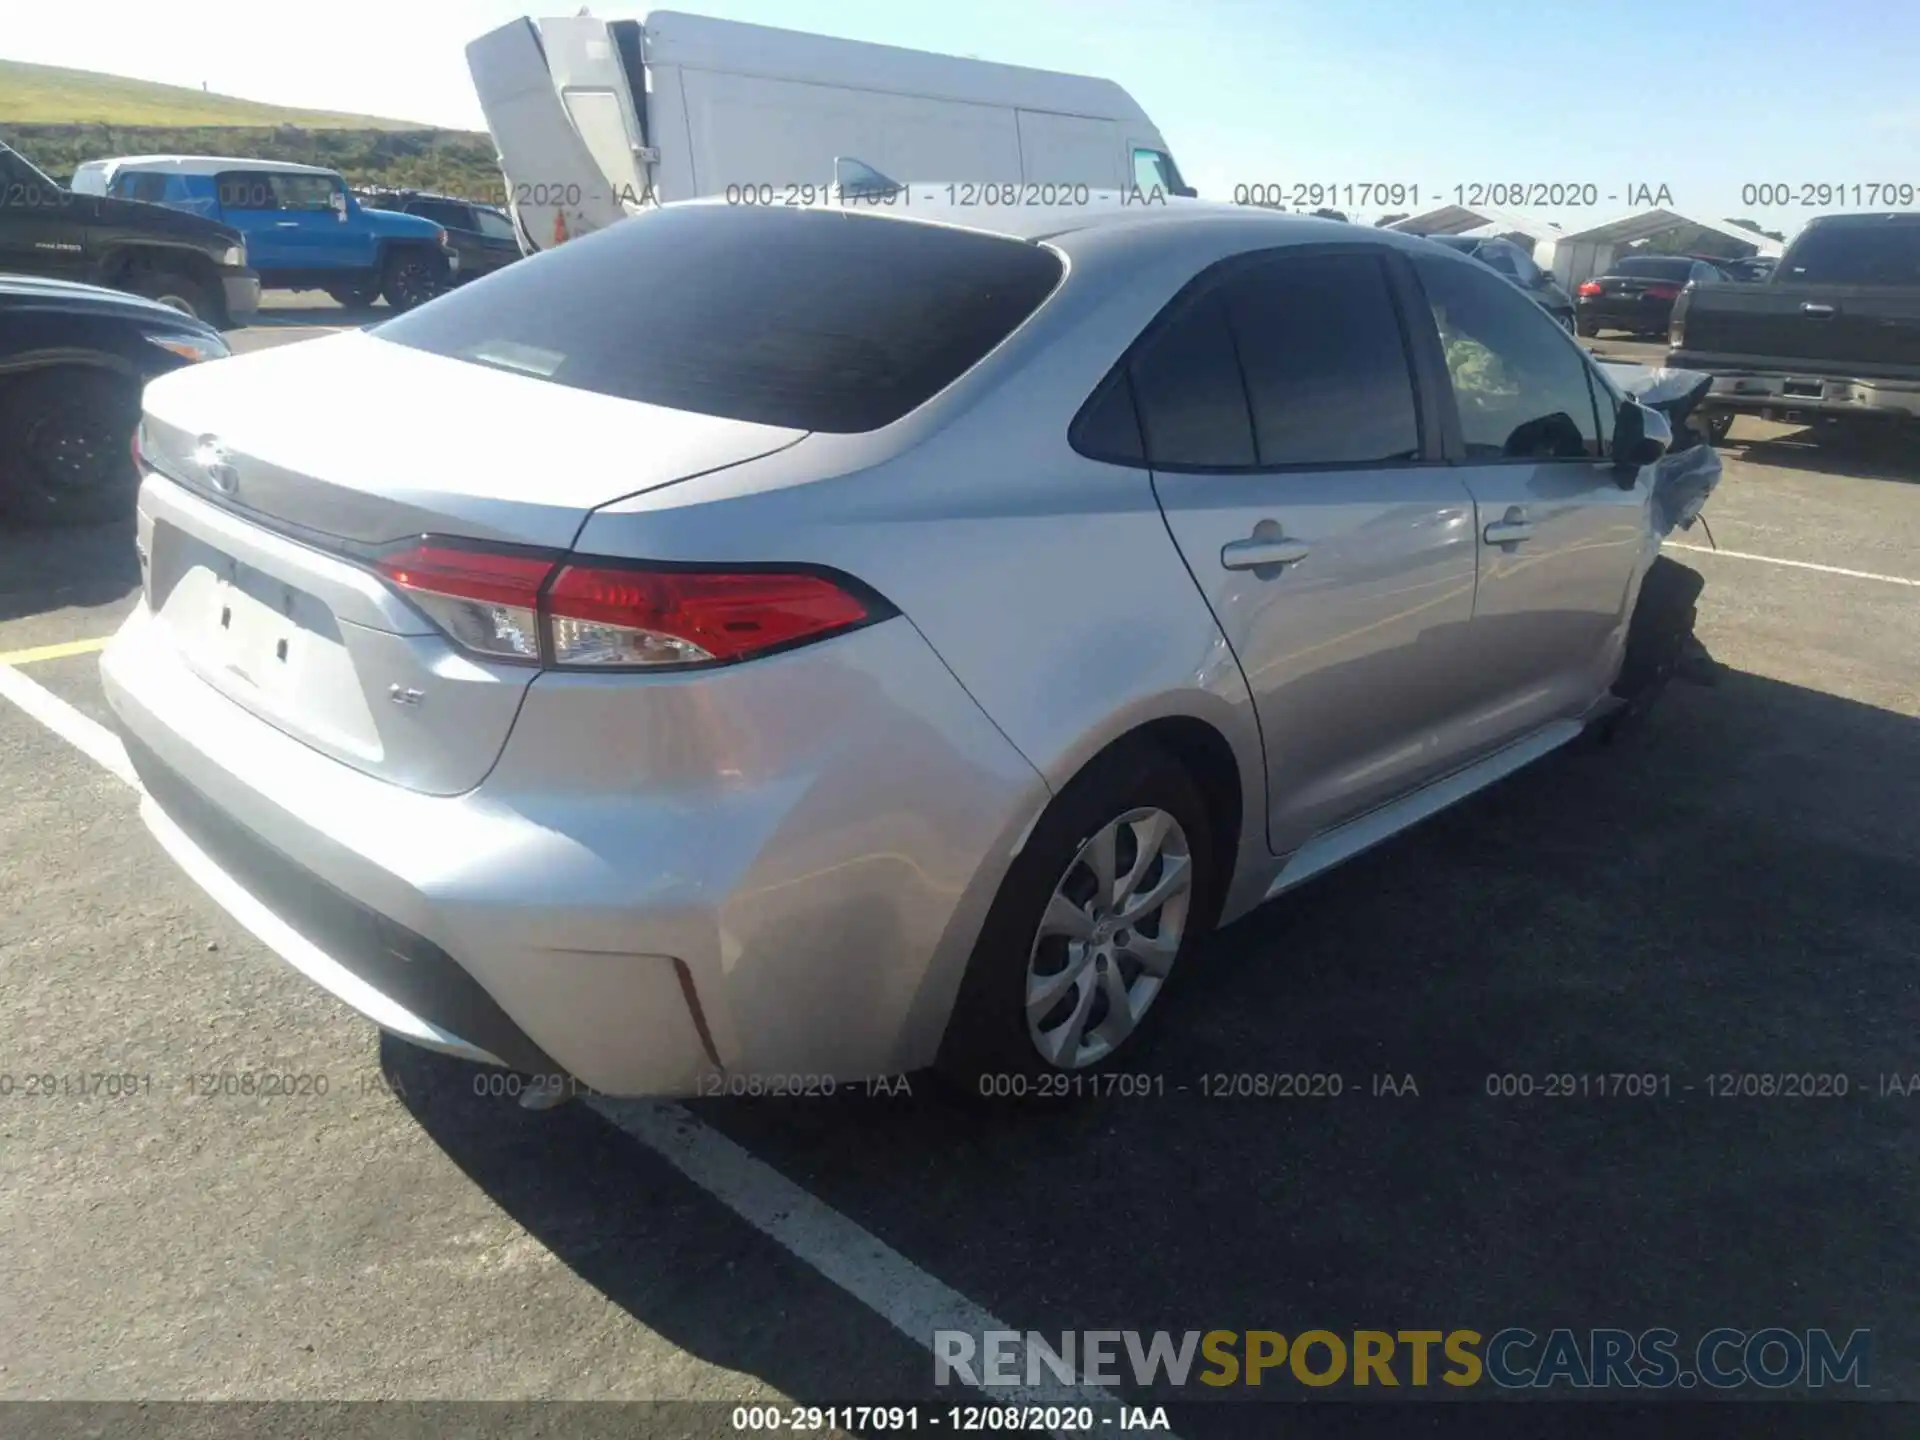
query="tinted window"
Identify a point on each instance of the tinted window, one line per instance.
(1326, 371)
(1186, 382)
(814, 319)
(493, 225)
(1883, 253)
(1520, 384)
(1653, 267)
(142, 186)
(1500, 258)
(442, 212)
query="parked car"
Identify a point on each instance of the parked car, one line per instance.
(192, 265)
(597, 119)
(868, 643)
(1831, 336)
(1518, 266)
(1751, 270)
(304, 229)
(482, 235)
(1637, 293)
(72, 360)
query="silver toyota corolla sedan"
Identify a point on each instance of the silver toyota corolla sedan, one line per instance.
(831, 642)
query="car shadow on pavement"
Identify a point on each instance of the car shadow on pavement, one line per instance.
(58, 568)
(1730, 888)
(1859, 454)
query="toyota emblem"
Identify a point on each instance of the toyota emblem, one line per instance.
(217, 465)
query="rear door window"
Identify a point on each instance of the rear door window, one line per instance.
(1327, 374)
(809, 319)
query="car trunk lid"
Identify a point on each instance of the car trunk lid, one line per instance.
(270, 504)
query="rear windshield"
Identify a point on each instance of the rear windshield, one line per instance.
(1874, 253)
(812, 319)
(1653, 267)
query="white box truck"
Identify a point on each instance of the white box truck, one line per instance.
(595, 119)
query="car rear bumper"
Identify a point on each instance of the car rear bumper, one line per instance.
(609, 904)
(1626, 314)
(1783, 396)
(240, 289)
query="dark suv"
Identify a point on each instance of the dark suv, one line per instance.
(482, 235)
(186, 262)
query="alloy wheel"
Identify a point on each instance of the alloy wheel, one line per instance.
(1108, 938)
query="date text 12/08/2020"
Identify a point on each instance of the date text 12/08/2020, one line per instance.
(1396, 194)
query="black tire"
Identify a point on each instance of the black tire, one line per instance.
(987, 1036)
(66, 446)
(411, 278)
(355, 297)
(1586, 327)
(177, 292)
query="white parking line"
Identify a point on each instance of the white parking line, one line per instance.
(1796, 564)
(88, 736)
(861, 1264)
(867, 1268)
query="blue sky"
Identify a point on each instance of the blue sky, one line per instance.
(1702, 98)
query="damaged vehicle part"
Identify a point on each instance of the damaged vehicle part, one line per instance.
(870, 643)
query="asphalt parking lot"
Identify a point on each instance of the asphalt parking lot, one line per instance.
(1731, 888)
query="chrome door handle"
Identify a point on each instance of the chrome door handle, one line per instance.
(1265, 547)
(1510, 529)
(1814, 308)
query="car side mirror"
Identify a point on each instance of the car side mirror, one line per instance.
(1641, 435)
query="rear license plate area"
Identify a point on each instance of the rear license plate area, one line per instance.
(232, 618)
(1811, 389)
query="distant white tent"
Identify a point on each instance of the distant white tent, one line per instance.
(1524, 230)
(1581, 254)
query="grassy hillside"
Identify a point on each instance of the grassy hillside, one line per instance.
(49, 95)
(59, 118)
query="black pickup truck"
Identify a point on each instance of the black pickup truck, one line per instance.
(1833, 334)
(186, 262)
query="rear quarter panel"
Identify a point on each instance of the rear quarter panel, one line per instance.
(1047, 582)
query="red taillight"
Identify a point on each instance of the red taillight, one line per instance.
(623, 616)
(487, 600)
(495, 577)
(1591, 287)
(504, 604)
(1663, 292)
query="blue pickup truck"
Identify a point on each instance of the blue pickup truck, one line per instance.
(304, 229)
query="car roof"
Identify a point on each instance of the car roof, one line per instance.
(1098, 211)
(210, 165)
